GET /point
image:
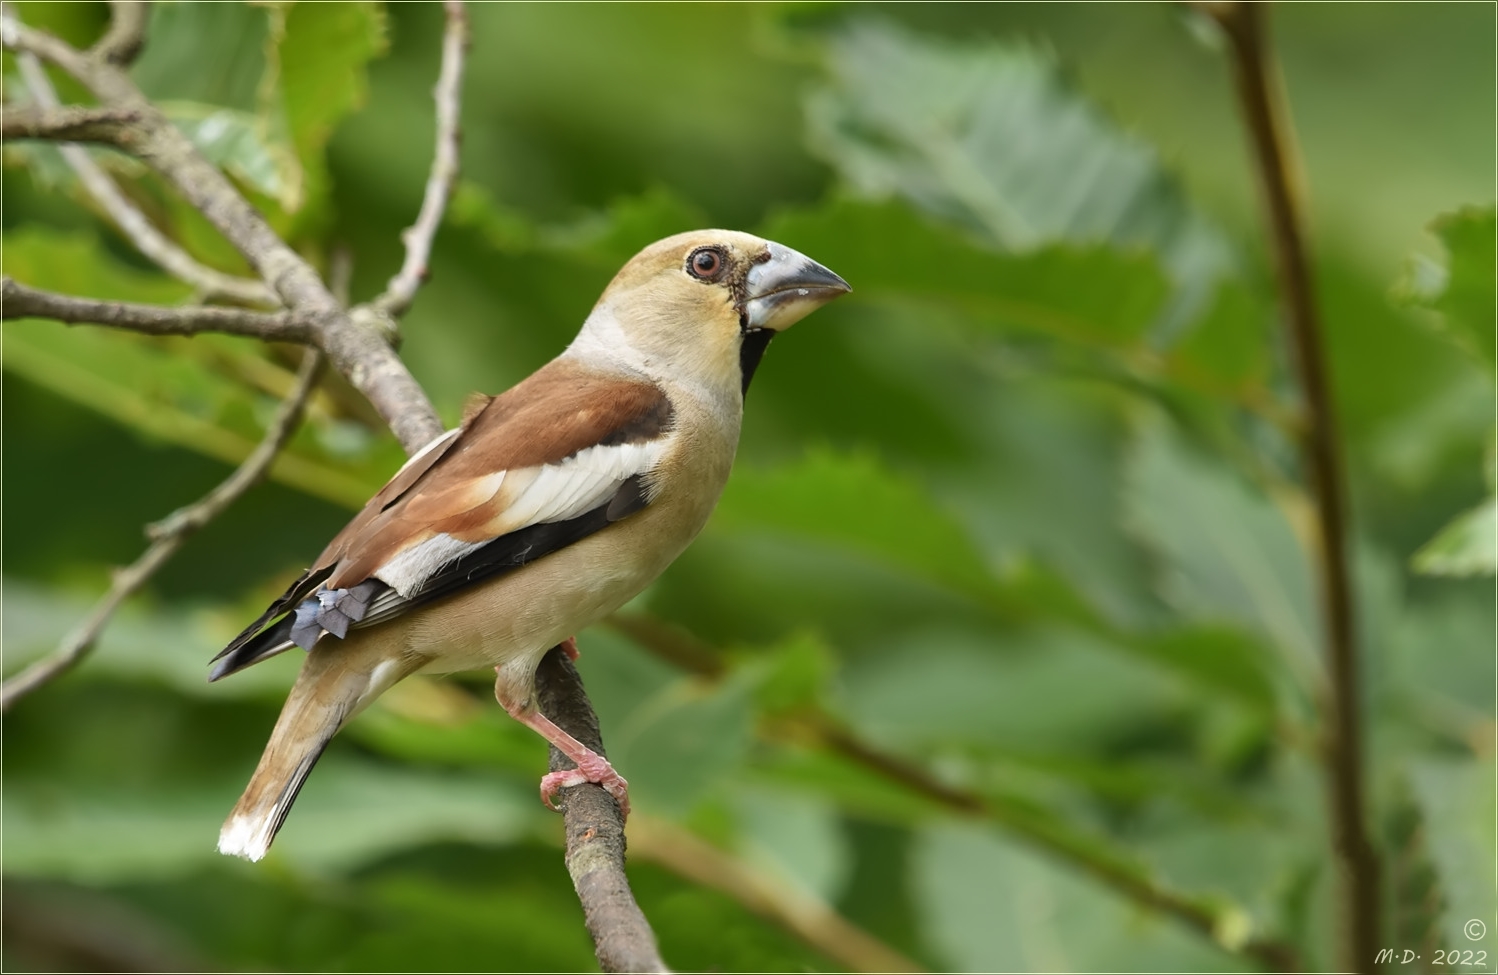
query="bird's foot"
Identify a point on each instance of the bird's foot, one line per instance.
(569, 647)
(592, 767)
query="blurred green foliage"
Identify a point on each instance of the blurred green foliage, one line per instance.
(1020, 517)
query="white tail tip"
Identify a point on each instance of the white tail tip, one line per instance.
(246, 836)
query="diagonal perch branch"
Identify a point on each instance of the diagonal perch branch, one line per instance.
(595, 831)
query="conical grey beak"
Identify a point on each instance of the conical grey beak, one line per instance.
(787, 287)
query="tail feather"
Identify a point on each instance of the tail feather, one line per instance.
(330, 690)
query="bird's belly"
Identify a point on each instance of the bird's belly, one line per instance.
(513, 621)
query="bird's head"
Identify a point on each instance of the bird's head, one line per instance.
(701, 307)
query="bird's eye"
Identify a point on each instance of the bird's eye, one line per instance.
(705, 263)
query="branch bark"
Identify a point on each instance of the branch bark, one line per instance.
(1278, 166)
(130, 221)
(126, 35)
(19, 301)
(804, 915)
(816, 728)
(439, 189)
(595, 831)
(357, 342)
(167, 536)
(358, 351)
(72, 123)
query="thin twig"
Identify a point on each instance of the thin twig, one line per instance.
(595, 832)
(803, 914)
(448, 94)
(20, 301)
(816, 728)
(16, 36)
(130, 221)
(126, 35)
(167, 536)
(1278, 166)
(360, 352)
(71, 123)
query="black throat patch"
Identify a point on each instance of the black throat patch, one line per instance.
(756, 340)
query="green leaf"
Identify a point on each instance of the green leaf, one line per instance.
(186, 391)
(796, 836)
(988, 903)
(1465, 547)
(887, 252)
(991, 136)
(205, 53)
(323, 57)
(1227, 351)
(1455, 798)
(239, 142)
(1463, 290)
(1041, 689)
(344, 817)
(170, 647)
(854, 502)
(1227, 552)
(796, 674)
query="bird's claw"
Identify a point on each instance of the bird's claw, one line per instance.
(593, 768)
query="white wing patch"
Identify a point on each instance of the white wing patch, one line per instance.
(539, 495)
(407, 571)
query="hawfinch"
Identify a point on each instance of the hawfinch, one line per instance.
(552, 505)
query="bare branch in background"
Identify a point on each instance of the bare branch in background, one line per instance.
(806, 916)
(167, 536)
(439, 189)
(124, 214)
(73, 123)
(816, 728)
(359, 352)
(19, 301)
(1278, 167)
(126, 35)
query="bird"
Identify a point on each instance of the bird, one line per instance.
(548, 507)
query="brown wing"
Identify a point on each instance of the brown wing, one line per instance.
(449, 487)
(558, 411)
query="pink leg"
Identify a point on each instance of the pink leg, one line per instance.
(569, 647)
(591, 766)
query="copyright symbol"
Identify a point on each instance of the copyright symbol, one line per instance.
(1474, 930)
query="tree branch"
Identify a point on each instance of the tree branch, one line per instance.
(167, 536)
(359, 352)
(815, 727)
(73, 123)
(418, 237)
(595, 831)
(126, 35)
(19, 301)
(130, 221)
(1278, 167)
(356, 342)
(806, 916)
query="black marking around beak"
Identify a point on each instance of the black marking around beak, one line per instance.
(751, 350)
